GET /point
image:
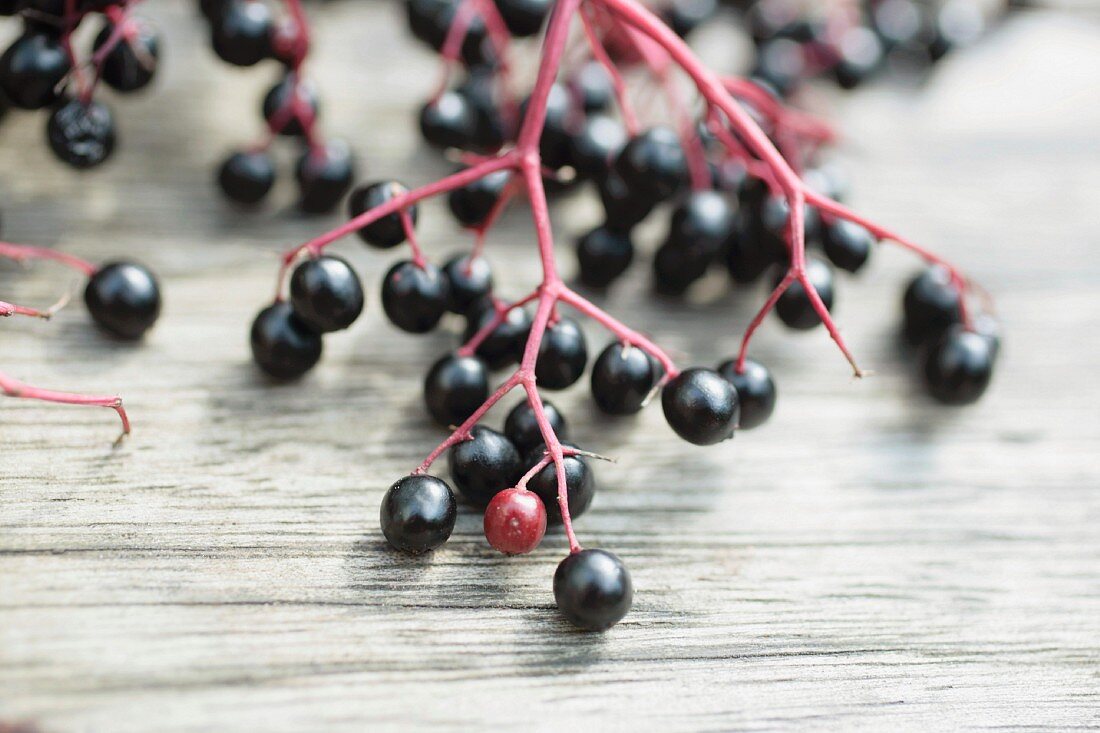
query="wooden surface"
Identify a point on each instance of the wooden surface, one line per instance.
(866, 561)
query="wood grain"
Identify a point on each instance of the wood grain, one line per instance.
(866, 561)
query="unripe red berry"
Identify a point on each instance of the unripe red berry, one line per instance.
(515, 521)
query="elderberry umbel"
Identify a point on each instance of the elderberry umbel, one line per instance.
(740, 176)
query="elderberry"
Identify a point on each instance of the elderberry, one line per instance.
(418, 514)
(80, 133)
(594, 146)
(241, 32)
(472, 203)
(280, 100)
(326, 294)
(593, 589)
(523, 430)
(794, 307)
(756, 392)
(504, 342)
(484, 465)
(700, 406)
(603, 254)
(624, 207)
(580, 483)
(563, 354)
(282, 345)
(247, 177)
(388, 231)
(449, 121)
(931, 305)
(414, 297)
(523, 17)
(31, 69)
(653, 164)
(622, 378)
(132, 63)
(847, 244)
(455, 387)
(676, 268)
(470, 281)
(324, 176)
(124, 299)
(959, 366)
(515, 521)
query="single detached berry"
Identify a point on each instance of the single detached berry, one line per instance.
(622, 378)
(32, 68)
(522, 428)
(563, 355)
(593, 589)
(281, 98)
(580, 484)
(414, 297)
(472, 203)
(931, 306)
(604, 254)
(847, 245)
(124, 299)
(700, 406)
(484, 465)
(326, 293)
(500, 347)
(132, 63)
(756, 392)
(959, 366)
(282, 345)
(418, 514)
(81, 134)
(388, 231)
(470, 280)
(450, 121)
(324, 176)
(653, 163)
(247, 177)
(242, 31)
(515, 521)
(455, 387)
(794, 307)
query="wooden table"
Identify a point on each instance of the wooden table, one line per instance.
(868, 560)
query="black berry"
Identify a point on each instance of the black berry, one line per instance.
(523, 17)
(501, 346)
(388, 231)
(580, 484)
(593, 589)
(522, 429)
(81, 134)
(326, 294)
(484, 465)
(31, 68)
(414, 297)
(959, 366)
(622, 378)
(562, 356)
(455, 387)
(247, 177)
(794, 307)
(471, 203)
(604, 255)
(700, 406)
(847, 244)
(131, 64)
(595, 145)
(470, 281)
(324, 176)
(278, 100)
(418, 514)
(241, 33)
(931, 305)
(756, 392)
(282, 345)
(123, 298)
(653, 164)
(449, 121)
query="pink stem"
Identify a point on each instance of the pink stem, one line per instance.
(759, 318)
(21, 252)
(502, 311)
(15, 388)
(630, 118)
(418, 258)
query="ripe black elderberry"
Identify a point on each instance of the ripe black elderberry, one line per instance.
(449, 121)
(241, 32)
(593, 589)
(931, 306)
(484, 465)
(624, 207)
(675, 268)
(123, 298)
(684, 16)
(563, 355)
(700, 406)
(470, 280)
(523, 430)
(604, 255)
(622, 378)
(471, 203)
(704, 220)
(580, 484)
(278, 98)
(282, 345)
(247, 177)
(756, 392)
(326, 293)
(388, 231)
(324, 176)
(413, 297)
(554, 142)
(32, 68)
(794, 307)
(959, 366)
(81, 134)
(592, 84)
(132, 63)
(653, 164)
(455, 387)
(418, 514)
(488, 134)
(523, 17)
(500, 347)
(847, 244)
(594, 146)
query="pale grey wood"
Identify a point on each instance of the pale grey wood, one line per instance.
(866, 561)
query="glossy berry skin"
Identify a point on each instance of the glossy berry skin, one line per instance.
(930, 306)
(704, 220)
(594, 147)
(794, 307)
(449, 121)
(515, 521)
(847, 244)
(324, 177)
(124, 299)
(653, 164)
(82, 135)
(388, 231)
(488, 133)
(959, 366)
(580, 484)
(470, 281)
(455, 387)
(523, 17)
(282, 345)
(472, 203)
(624, 208)
(756, 393)
(241, 32)
(418, 514)
(326, 293)
(132, 63)
(593, 85)
(499, 348)
(484, 465)
(523, 430)
(676, 268)
(278, 99)
(593, 589)
(622, 378)
(701, 406)
(247, 177)
(414, 298)
(563, 355)
(31, 68)
(603, 255)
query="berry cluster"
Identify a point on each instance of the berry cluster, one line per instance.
(736, 179)
(123, 299)
(244, 33)
(42, 69)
